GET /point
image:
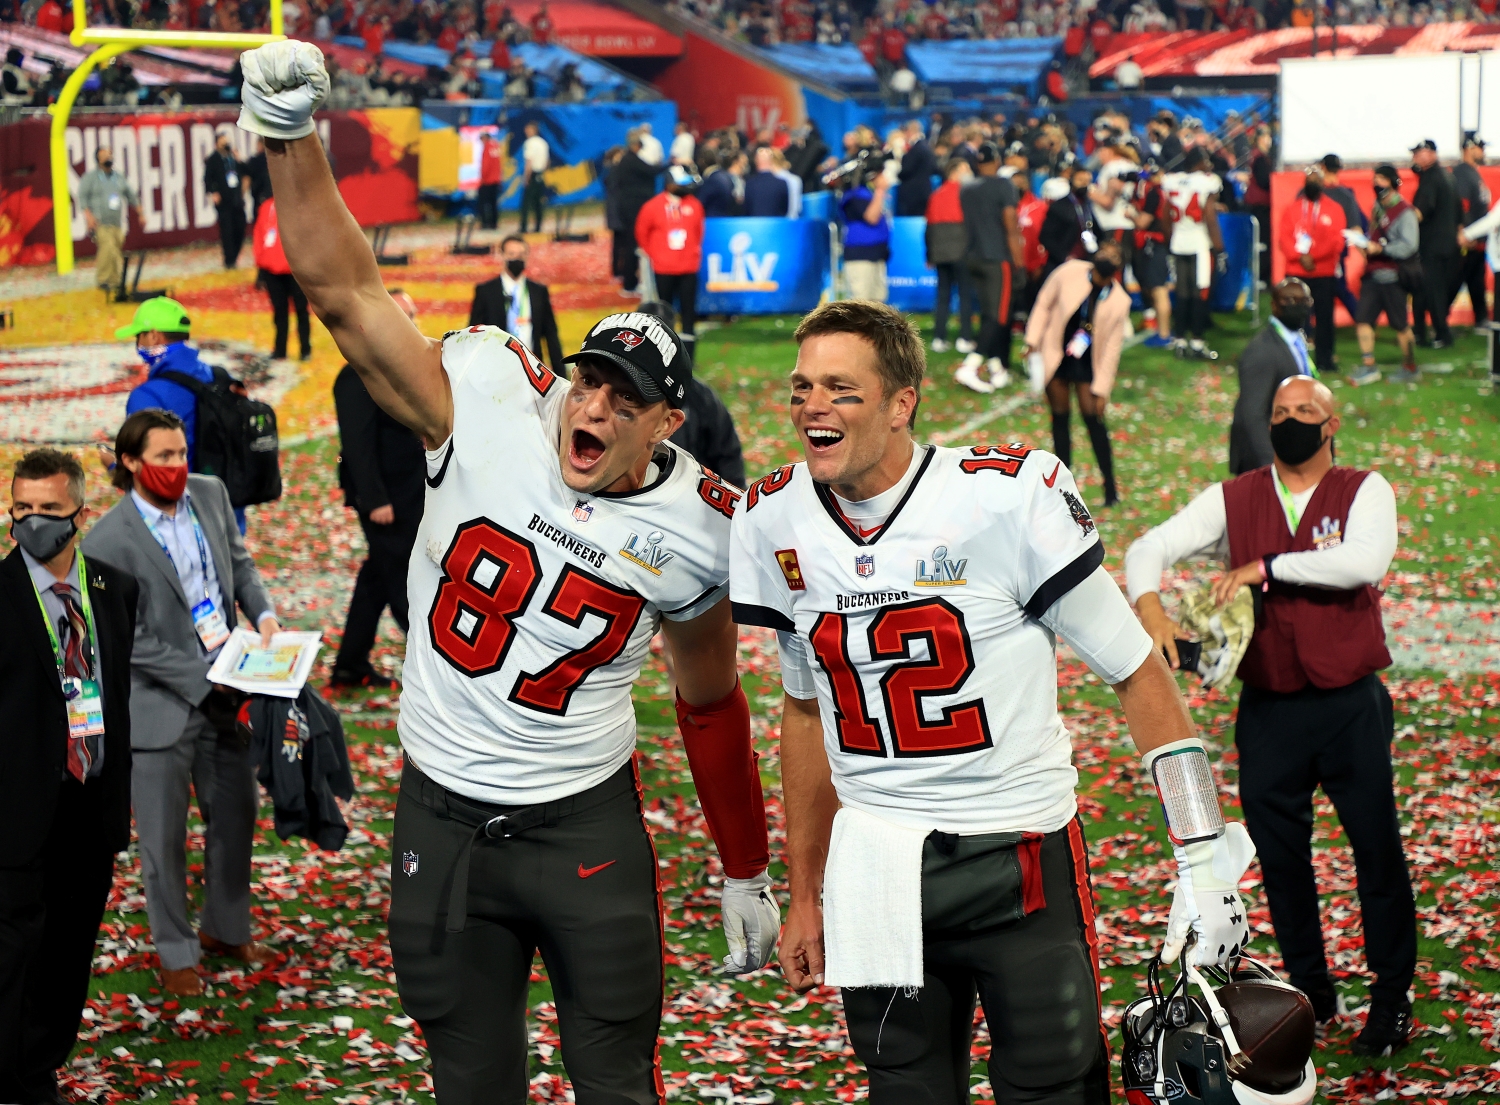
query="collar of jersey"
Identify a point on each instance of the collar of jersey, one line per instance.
(849, 529)
(666, 460)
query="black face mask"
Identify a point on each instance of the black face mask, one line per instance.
(44, 535)
(1294, 316)
(1294, 442)
(1312, 189)
(1106, 269)
(516, 266)
(1082, 193)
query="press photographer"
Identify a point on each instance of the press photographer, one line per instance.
(867, 230)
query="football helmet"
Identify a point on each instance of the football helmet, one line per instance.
(1247, 1040)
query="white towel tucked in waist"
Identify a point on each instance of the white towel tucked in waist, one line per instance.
(872, 902)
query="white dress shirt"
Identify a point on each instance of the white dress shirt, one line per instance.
(536, 155)
(1201, 529)
(517, 316)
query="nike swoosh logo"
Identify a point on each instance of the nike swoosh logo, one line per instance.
(1052, 479)
(865, 532)
(585, 872)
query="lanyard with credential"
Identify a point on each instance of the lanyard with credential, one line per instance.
(88, 620)
(1293, 512)
(202, 548)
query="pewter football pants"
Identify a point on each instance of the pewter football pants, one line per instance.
(1035, 973)
(582, 890)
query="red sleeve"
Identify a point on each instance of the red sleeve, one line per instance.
(717, 739)
(1332, 235)
(1286, 233)
(645, 224)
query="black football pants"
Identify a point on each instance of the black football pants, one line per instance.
(1289, 745)
(991, 281)
(1036, 976)
(1472, 268)
(581, 888)
(50, 911)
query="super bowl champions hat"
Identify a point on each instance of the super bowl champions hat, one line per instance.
(645, 349)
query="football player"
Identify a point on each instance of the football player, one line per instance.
(917, 593)
(1197, 247)
(561, 529)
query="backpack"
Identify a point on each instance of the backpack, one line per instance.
(236, 438)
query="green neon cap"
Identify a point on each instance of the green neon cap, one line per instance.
(161, 314)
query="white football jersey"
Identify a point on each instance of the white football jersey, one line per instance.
(533, 606)
(936, 682)
(1189, 194)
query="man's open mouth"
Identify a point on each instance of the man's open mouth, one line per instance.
(820, 439)
(585, 449)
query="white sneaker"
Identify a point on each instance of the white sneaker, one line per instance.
(999, 375)
(964, 345)
(940, 346)
(967, 374)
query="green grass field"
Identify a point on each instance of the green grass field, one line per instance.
(325, 1023)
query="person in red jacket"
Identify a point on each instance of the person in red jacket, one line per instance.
(541, 26)
(670, 229)
(1310, 235)
(947, 241)
(276, 278)
(491, 173)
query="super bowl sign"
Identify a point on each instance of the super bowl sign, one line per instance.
(762, 266)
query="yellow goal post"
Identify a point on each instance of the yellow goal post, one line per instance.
(110, 42)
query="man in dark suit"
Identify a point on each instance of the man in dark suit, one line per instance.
(519, 306)
(767, 196)
(225, 180)
(381, 469)
(632, 182)
(175, 533)
(1277, 352)
(64, 796)
(918, 165)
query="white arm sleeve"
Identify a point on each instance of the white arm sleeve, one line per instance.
(1365, 553)
(1199, 529)
(1100, 627)
(1485, 224)
(796, 669)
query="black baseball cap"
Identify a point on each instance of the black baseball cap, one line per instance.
(987, 153)
(1425, 144)
(1333, 163)
(1165, 116)
(645, 349)
(1473, 140)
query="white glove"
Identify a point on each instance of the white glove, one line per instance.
(752, 922)
(284, 84)
(1207, 902)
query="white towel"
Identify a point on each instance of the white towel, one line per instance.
(872, 903)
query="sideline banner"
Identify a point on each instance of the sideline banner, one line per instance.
(910, 284)
(762, 266)
(373, 153)
(1236, 288)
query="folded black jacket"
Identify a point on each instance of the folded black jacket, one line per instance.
(298, 748)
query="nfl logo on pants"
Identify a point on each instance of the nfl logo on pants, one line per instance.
(864, 566)
(409, 863)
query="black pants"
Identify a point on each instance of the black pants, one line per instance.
(1435, 296)
(1341, 290)
(231, 228)
(1037, 978)
(1324, 295)
(1289, 745)
(533, 198)
(381, 582)
(623, 261)
(992, 282)
(284, 291)
(951, 274)
(1192, 317)
(581, 889)
(1472, 267)
(680, 290)
(489, 206)
(50, 911)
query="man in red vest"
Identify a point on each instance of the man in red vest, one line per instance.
(1315, 539)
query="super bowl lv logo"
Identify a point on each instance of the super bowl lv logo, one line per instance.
(942, 572)
(649, 553)
(1328, 534)
(748, 272)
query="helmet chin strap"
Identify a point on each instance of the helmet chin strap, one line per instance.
(1238, 1061)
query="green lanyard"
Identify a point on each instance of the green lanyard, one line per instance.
(88, 618)
(1293, 514)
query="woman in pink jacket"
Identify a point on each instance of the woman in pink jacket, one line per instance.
(1074, 336)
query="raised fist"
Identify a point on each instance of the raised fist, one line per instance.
(284, 84)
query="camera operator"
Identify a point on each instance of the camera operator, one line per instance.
(867, 230)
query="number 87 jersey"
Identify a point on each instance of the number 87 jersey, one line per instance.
(935, 679)
(532, 605)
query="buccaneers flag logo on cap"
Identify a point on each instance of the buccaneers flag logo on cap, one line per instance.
(629, 338)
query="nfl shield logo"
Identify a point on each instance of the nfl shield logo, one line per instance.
(864, 566)
(409, 863)
(583, 511)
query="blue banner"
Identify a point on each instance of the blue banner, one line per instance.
(1234, 290)
(763, 266)
(911, 285)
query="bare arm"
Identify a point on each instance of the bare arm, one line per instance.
(704, 653)
(1154, 708)
(811, 802)
(334, 265)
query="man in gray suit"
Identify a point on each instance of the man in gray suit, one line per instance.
(1278, 351)
(176, 534)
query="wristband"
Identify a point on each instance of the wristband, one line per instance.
(1185, 785)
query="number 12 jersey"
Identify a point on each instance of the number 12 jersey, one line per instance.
(532, 605)
(935, 680)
